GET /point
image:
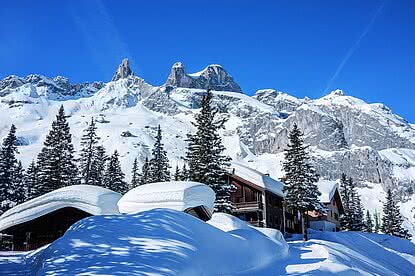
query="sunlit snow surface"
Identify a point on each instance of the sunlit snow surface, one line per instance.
(168, 242)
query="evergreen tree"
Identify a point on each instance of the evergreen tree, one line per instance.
(18, 189)
(98, 166)
(145, 178)
(31, 180)
(369, 223)
(135, 175)
(207, 163)
(346, 218)
(392, 218)
(184, 175)
(357, 222)
(56, 163)
(8, 167)
(158, 170)
(114, 177)
(300, 178)
(89, 144)
(177, 174)
(377, 222)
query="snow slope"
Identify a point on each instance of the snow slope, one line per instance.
(350, 253)
(168, 242)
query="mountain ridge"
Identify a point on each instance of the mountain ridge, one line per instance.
(367, 141)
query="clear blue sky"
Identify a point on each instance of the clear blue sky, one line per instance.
(305, 48)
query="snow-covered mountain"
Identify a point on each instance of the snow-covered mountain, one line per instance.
(366, 141)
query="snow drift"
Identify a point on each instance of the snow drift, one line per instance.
(91, 199)
(157, 242)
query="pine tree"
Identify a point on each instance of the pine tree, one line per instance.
(145, 178)
(98, 166)
(8, 167)
(56, 163)
(301, 191)
(346, 218)
(158, 170)
(114, 177)
(89, 144)
(177, 174)
(135, 175)
(207, 163)
(369, 223)
(31, 180)
(392, 218)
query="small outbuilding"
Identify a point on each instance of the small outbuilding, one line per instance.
(328, 218)
(44, 219)
(193, 198)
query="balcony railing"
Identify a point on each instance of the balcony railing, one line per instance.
(244, 206)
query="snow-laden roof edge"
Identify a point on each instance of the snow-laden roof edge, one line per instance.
(327, 189)
(91, 199)
(177, 195)
(258, 178)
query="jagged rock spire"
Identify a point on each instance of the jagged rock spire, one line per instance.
(123, 71)
(213, 77)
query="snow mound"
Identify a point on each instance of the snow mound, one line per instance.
(157, 242)
(229, 223)
(91, 199)
(176, 195)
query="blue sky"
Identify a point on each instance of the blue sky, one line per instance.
(304, 48)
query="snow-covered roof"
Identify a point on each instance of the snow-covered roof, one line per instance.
(91, 199)
(258, 178)
(327, 189)
(176, 195)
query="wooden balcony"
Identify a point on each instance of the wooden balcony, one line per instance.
(248, 206)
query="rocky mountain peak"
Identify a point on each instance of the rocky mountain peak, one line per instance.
(123, 70)
(214, 76)
(337, 92)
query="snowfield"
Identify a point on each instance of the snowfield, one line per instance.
(169, 242)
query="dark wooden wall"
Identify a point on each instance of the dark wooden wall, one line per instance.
(45, 229)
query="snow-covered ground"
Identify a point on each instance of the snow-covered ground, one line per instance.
(168, 242)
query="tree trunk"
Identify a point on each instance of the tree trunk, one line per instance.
(303, 226)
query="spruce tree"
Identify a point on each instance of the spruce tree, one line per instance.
(184, 175)
(158, 170)
(369, 223)
(300, 178)
(205, 154)
(114, 177)
(392, 218)
(135, 175)
(177, 174)
(31, 180)
(18, 189)
(145, 178)
(8, 167)
(357, 218)
(89, 144)
(55, 162)
(377, 222)
(98, 166)
(346, 218)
